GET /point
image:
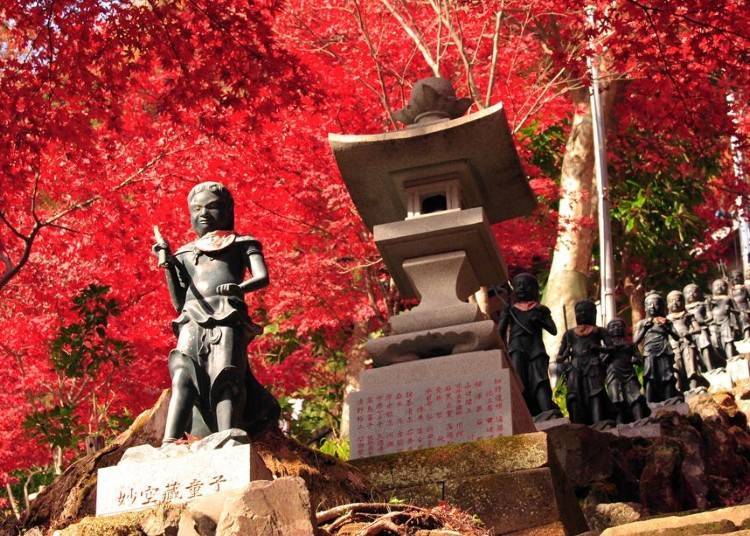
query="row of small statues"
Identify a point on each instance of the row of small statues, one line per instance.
(681, 338)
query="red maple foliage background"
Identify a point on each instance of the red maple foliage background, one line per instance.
(111, 111)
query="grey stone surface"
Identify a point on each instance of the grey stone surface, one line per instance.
(738, 369)
(438, 233)
(477, 149)
(447, 340)
(636, 430)
(443, 282)
(433, 402)
(543, 426)
(144, 453)
(719, 380)
(177, 479)
(672, 405)
(268, 508)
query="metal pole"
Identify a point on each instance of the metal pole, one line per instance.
(744, 227)
(606, 256)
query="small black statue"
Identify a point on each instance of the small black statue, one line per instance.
(687, 360)
(212, 386)
(623, 388)
(654, 331)
(695, 306)
(521, 326)
(725, 322)
(741, 297)
(581, 354)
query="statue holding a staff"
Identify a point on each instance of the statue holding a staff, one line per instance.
(213, 388)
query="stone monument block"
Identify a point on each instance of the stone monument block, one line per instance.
(718, 379)
(438, 401)
(511, 483)
(147, 476)
(739, 369)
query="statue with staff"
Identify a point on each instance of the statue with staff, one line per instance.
(213, 388)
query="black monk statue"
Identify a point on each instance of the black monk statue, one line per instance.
(521, 326)
(212, 386)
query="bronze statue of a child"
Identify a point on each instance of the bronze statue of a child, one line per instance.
(655, 331)
(623, 387)
(726, 323)
(521, 326)
(581, 352)
(212, 386)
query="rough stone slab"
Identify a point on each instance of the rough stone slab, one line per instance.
(719, 380)
(144, 453)
(434, 369)
(670, 406)
(372, 166)
(268, 508)
(543, 426)
(433, 402)
(739, 370)
(713, 522)
(518, 501)
(446, 340)
(550, 529)
(138, 486)
(486, 456)
(636, 430)
(424, 494)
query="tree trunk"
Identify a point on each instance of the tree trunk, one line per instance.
(355, 364)
(57, 460)
(577, 227)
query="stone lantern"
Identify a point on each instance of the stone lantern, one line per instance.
(429, 193)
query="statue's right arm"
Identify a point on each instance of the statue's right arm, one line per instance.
(503, 324)
(175, 282)
(640, 332)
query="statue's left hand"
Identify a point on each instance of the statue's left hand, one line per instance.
(229, 289)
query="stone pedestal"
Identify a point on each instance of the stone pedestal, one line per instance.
(513, 484)
(437, 401)
(739, 369)
(178, 473)
(718, 379)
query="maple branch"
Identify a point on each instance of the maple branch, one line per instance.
(98, 197)
(539, 97)
(493, 61)
(458, 41)
(28, 240)
(411, 32)
(692, 20)
(12, 500)
(290, 218)
(374, 55)
(34, 193)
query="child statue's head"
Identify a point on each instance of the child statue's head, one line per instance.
(525, 287)
(654, 305)
(616, 328)
(585, 313)
(211, 208)
(693, 293)
(719, 287)
(675, 301)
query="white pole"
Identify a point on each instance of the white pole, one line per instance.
(744, 227)
(606, 256)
